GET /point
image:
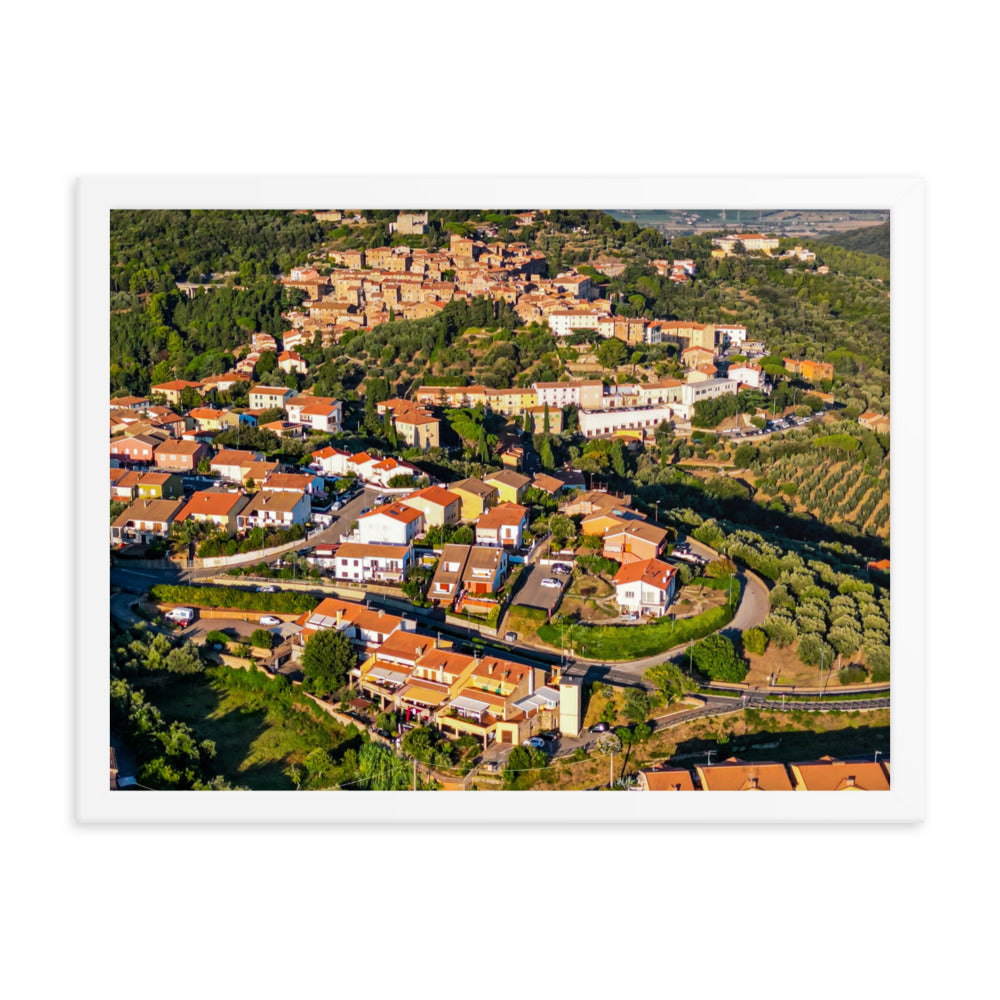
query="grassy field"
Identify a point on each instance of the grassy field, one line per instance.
(255, 743)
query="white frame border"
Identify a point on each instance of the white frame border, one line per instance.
(903, 197)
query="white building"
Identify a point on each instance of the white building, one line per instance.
(729, 335)
(638, 420)
(748, 373)
(565, 321)
(359, 562)
(392, 524)
(646, 588)
(695, 392)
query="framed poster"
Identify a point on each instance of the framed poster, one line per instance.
(420, 493)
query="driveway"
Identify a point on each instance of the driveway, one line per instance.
(532, 594)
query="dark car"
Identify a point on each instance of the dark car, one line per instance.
(598, 727)
(510, 636)
(550, 737)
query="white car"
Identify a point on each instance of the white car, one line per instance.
(549, 582)
(269, 620)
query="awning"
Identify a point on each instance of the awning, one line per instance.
(464, 704)
(544, 697)
(423, 696)
(387, 676)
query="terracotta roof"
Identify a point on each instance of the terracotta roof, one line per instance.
(397, 511)
(212, 503)
(734, 775)
(829, 775)
(508, 478)
(652, 572)
(435, 495)
(359, 550)
(501, 515)
(676, 779)
(475, 486)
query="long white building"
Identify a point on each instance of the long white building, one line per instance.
(603, 423)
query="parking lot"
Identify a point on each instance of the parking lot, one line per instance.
(532, 594)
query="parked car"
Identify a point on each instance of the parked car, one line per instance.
(549, 737)
(182, 616)
(598, 727)
(269, 620)
(562, 569)
(510, 636)
(549, 582)
(269, 589)
(534, 741)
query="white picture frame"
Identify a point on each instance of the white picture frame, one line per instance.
(902, 197)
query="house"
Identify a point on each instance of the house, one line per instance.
(182, 455)
(331, 461)
(292, 361)
(503, 525)
(485, 569)
(361, 562)
(735, 775)
(232, 464)
(257, 472)
(747, 373)
(548, 484)
(830, 775)
(391, 524)
(269, 397)
(383, 472)
(361, 465)
(634, 541)
(321, 413)
(439, 506)
(295, 482)
(216, 507)
(124, 484)
(486, 705)
(436, 677)
(274, 510)
(171, 391)
(145, 520)
(629, 422)
(587, 394)
(447, 580)
(207, 418)
(511, 486)
(666, 779)
(812, 371)
(137, 403)
(389, 667)
(418, 428)
(645, 587)
(872, 421)
(476, 495)
(284, 428)
(366, 628)
(159, 485)
(692, 357)
(137, 449)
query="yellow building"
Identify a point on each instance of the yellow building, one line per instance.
(477, 497)
(510, 485)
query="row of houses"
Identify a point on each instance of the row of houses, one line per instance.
(735, 775)
(431, 683)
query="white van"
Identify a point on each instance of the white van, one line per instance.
(183, 615)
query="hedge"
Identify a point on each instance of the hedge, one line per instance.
(233, 597)
(633, 642)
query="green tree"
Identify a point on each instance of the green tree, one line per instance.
(326, 660)
(637, 705)
(669, 681)
(382, 769)
(262, 639)
(717, 657)
(611, 353)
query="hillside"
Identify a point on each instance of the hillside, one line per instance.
(870, 239)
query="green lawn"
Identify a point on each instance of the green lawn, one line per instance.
(255, 740)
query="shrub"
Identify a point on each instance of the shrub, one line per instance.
(215, 636)
(717, 657)
(853, 674)
(261, 639)
(755, 641)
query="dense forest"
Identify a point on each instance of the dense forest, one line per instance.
(151, 250)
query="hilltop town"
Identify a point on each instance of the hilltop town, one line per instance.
(507, 489)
